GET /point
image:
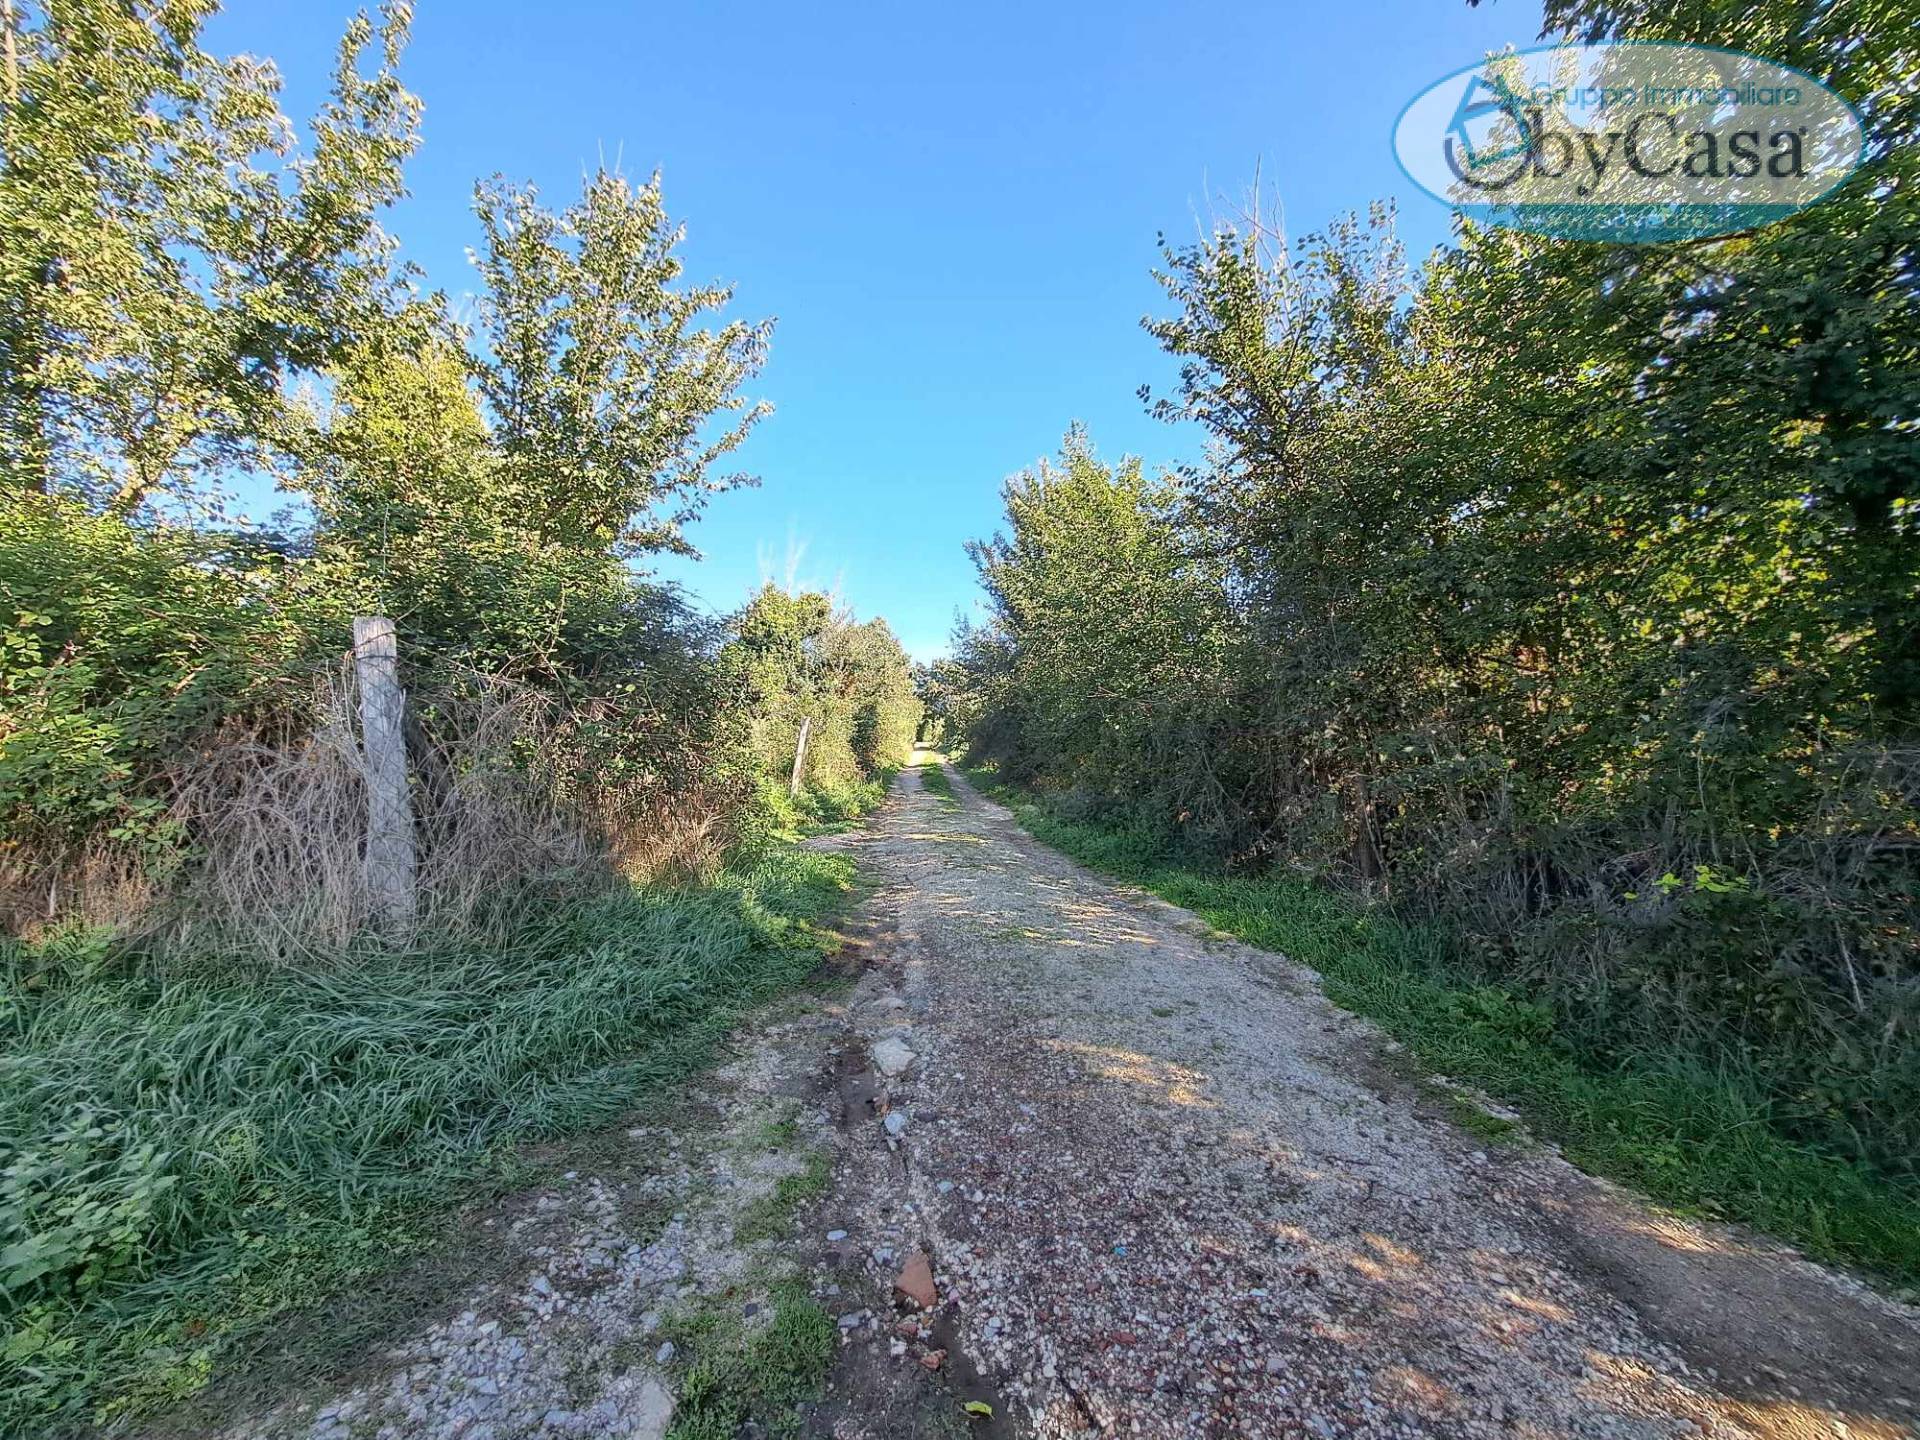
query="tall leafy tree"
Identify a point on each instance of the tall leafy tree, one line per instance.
(612, 404)
(1112, 623)
(171, 257)
(495, 490)
(803, 661)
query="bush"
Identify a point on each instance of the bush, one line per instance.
(120, 650)
(839, 803)
(767, 818)
(848, 685)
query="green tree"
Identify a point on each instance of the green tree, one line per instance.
(1110, 625)
(171, 260)
(804, 662)
(602, 385)
(1567, 590)
(495, 492)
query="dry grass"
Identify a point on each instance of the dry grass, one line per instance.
(509, 810)
(105, 884)
(279, 826)
(683, 837)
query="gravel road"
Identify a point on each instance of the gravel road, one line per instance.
(1094, 1171)
(1169, 1190)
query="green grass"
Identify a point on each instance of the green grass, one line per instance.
(934, 778)
(768, 1217)
(830, 809)
(819, 808)
(186, 1156)
(1477, 1120)
(732, 1369)
(1695, 1136)
(777, 1134)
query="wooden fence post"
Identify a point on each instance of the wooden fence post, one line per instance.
(390, 841)
(800, 755)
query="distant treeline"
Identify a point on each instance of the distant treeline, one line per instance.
(1567, 592)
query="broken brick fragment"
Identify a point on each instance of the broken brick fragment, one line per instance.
(916, 1281)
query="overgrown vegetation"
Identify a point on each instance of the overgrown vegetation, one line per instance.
(811, 669)
(221, 1093)
(1690, 1133)
(1565, 595)
(190, 296)
(193, 1152)
(1538, 655)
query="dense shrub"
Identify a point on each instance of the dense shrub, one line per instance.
(120, 647)
(1568, 593)
(849, 683)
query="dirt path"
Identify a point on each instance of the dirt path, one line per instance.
(1165, 1190)
(1169, 1190)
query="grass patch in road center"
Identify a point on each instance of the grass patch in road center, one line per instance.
(767, 1218)
(733, 1369)
(933, 777)
(1691, 1135)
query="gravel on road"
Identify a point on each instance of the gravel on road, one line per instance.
(1169, 1190)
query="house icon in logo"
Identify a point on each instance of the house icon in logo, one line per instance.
(1476, 133)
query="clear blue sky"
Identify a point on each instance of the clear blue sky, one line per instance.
(951, 209)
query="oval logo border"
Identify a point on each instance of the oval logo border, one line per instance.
(1488, 212)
